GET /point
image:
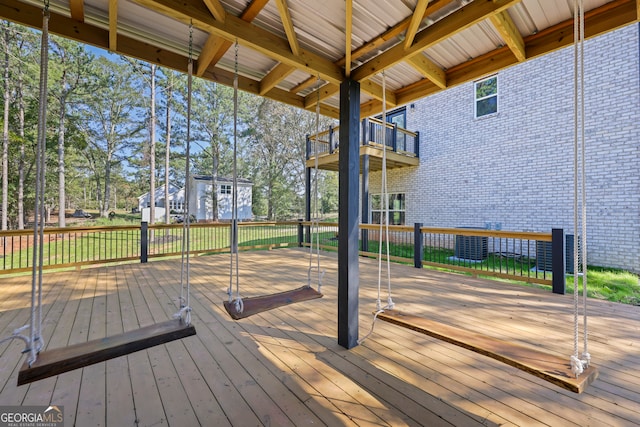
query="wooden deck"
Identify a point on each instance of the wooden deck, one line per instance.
(284, 367)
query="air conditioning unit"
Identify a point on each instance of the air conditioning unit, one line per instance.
(544, 255)
(472, 248)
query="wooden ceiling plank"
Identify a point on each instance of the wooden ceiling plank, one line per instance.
(275, 76)
(429, 69)
(211, 47)
(216, 9)
(454, 23)
(77, 9)
(509, 33)
(248, 35)
(113, 25)
(416, 19)
(287, 23)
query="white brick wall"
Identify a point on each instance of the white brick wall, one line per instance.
(516, 168)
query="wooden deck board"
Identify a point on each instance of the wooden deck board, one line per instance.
(284, 366)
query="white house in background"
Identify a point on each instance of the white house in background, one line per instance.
(200, 198)
(176, 199)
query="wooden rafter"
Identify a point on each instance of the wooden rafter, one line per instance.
(326, 91)
(347, 36)
(414, 24)
(275, 76)
(429, 69)
(509, 33)
(215, 47)
(248, 35)
(377, 41)
(289, 29)
(612, 15)
(216, 9)
(77, 9)
(454, 23)
(113, 25)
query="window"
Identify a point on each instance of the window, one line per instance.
(225, 189)
(396, 208)
(486, 95)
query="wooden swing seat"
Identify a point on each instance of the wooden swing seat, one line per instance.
(59, 360)
(255, 305)
(554, 369)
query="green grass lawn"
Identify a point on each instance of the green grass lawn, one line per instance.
(611, 285)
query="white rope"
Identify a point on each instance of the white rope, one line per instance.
(315, 221)
(35, 342)
(384, 220)
(578, 364)
(185, 282)
(239, 306)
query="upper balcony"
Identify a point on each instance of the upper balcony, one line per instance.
(402, 146)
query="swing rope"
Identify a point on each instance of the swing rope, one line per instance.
(239, 306)
(579, 362)
(185, 282)
(34, 342)
(315, 220)
(384, 221)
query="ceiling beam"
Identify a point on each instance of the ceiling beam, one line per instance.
(113, 25)
(287, 23)
(215, 47)
(248, 35)
(598, 21)
(324, 92)
(510, 34)
(211, 48)
(375, 90)
(77, 9)
(216, 9)
(429, 69)
(275, 76)
(348, 26)
(414, 24)
(376, 42)
(454, 23)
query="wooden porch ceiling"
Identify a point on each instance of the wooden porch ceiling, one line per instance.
(284, 61)
(330, 161)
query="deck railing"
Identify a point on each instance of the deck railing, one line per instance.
(397, 139)
(522, 256)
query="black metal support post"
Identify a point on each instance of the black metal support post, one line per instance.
(300, 232)
(364, 209)
(144, 242)
(307, 204)
(418, 247)
(558, 284)
(349, 170)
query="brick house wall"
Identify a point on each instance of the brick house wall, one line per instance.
(514, 169)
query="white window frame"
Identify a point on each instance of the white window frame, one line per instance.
(225, 189)
(476, 99)
(391, 210)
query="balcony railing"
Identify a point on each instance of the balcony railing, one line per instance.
(522, 256)
(397, 139)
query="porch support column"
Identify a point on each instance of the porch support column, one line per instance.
(349, 171)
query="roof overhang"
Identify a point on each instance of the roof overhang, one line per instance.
(298, 52)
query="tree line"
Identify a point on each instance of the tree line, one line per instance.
(116, 129)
